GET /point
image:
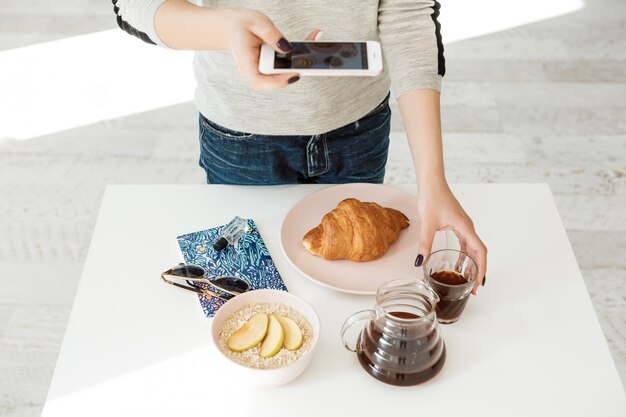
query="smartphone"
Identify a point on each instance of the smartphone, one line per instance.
(324, 59)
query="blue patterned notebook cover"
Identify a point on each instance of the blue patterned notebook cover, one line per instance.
(250, 261)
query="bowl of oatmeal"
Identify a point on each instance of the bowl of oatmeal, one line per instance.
(266, 337)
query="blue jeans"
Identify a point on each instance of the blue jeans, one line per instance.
(353, 153)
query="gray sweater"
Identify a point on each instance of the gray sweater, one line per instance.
(412, 50)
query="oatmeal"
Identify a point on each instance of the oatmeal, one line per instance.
(252, 357)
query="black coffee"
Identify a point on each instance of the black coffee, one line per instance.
(449, 277)
(408, 353)
(449, 310)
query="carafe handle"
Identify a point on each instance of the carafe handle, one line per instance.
(357, 317)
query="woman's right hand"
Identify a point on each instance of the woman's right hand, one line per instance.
(181, 24)
(246, 31)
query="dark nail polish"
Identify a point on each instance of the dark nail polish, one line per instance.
(284, 45)
(419, 260)
(293, 79)
(484, 280)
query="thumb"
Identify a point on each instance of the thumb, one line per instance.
(427, 234)
(269, 34)
(315, 35)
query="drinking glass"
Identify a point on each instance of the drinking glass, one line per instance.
(451, 273)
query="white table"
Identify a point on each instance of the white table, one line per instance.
(528, 345)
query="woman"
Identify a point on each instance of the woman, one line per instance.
(274, 129)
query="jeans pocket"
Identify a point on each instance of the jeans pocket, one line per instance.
(223, 132)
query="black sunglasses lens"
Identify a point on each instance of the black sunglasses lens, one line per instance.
(232, 284)
(189, 271)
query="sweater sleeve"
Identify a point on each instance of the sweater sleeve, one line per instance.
(411, 41)
(136, 17)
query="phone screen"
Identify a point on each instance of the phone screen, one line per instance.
(323, 55)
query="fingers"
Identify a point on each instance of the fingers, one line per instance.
(248, 59)
(477, 250)
(462, 248)
(265, 30)
(314, 36)
(427, 234)
(247, 52)
(262, 82)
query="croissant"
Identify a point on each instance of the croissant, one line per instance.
(355, 230)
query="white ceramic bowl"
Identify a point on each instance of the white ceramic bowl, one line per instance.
(266, 377)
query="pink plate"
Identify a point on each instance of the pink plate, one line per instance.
(348, 276)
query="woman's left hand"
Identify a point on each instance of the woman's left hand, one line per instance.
(440, 210)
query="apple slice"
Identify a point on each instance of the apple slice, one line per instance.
(273, 340)
(293, 334)
(250, 334)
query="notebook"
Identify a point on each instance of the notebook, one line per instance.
(250, 261)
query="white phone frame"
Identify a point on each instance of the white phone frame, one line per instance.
(374, 62)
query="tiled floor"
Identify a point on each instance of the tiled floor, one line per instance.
(542, 102)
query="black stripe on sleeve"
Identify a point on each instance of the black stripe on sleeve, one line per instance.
(126, 27)
(441, 60)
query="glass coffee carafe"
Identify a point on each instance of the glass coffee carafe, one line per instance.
(399, 343)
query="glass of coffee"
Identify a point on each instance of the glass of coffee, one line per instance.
(451, 273)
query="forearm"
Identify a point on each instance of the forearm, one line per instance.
(183, 25)
(437, 206)
(422, 121)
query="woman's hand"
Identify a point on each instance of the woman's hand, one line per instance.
(440, 210)
(247, 31)
(181, 24)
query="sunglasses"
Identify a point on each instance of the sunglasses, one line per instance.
(184, 275)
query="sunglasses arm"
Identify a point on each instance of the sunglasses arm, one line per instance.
(188, 287)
